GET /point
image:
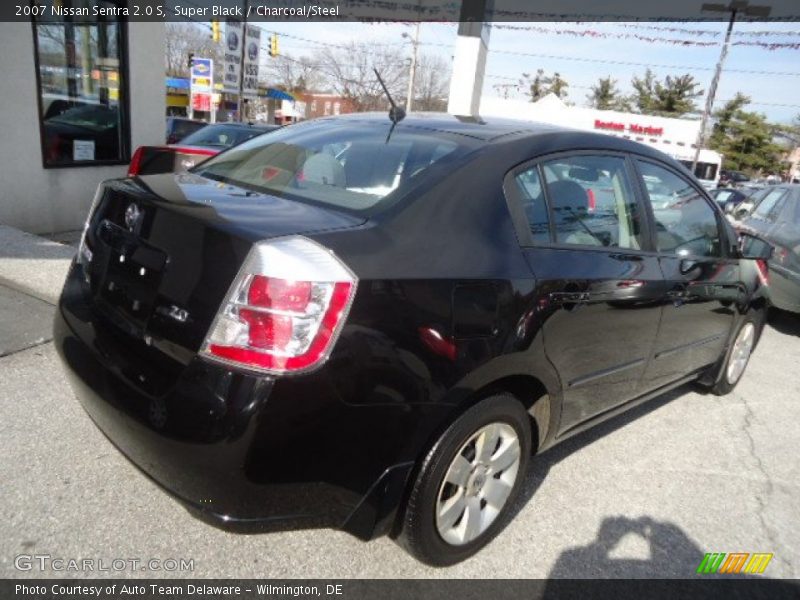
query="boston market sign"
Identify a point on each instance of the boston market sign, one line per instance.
(631, 128)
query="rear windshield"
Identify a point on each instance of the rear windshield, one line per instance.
(221, 136)
(347, 164)
(183, 128)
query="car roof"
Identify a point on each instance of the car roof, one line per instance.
(237, 125)
(496, 130)
(481, 128)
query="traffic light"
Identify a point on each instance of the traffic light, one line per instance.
(273, 44)
(215, 35)
(189, 61)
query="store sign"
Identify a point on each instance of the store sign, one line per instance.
(631, 128)
(234, 39)
(252, 53)
(201, 102)
(202, 76)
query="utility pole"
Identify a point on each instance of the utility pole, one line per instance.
(412, 68)
(734, 8)
(241, 62)
(190, 62)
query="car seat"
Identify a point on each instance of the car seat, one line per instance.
(570, 204)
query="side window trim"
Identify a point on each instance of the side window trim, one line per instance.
(725, 241)
(547, 203)
(514, 202)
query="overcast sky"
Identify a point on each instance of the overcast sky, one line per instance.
(748, 69)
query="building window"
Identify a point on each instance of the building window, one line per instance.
(327, 107)
(82, 84)
(337, 108)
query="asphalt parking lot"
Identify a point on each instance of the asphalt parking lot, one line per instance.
(645, 495)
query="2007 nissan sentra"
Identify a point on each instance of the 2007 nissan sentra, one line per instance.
(375, 326)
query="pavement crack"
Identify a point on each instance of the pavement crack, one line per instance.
(36, 344)
(769, 486)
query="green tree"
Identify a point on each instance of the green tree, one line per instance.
(745, 139)
(537, 85)
(557, 86)
(540, 85)
(644, 92)
(725, 116)
(606, 96)
(674, 96)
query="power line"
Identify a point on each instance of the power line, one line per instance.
(639, 64)
(589, 87)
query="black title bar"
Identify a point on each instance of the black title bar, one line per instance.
(385, 10)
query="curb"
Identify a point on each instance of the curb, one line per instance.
(32, 264)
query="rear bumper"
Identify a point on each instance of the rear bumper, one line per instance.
(784, 288)
(245, 453)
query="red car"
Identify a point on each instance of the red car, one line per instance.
(194, 148)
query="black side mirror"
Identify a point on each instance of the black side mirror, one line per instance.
(754, 247)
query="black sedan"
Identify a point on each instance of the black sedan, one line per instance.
(196, 147)
(776, 218)
(375, 326)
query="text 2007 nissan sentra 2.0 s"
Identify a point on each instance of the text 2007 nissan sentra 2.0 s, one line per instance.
(370, 325)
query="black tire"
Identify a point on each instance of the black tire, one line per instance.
(723, 385)
(419, 534)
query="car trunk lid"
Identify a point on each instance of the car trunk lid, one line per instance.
(166, 248)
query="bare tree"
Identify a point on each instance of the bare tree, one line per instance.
(294, 74)
(185, 38)
(348, 72)
(431, 83)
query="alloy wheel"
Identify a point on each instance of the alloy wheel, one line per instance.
(477, 483)
(740, 353)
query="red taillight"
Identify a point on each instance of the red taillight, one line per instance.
(136, 162)
(279, 294)
(285, 309)
(592, 200)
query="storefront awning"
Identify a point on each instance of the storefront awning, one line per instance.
(279, 94)
(181, 83)
(178, 83)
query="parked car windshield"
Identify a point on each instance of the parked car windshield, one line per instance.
(351, 165)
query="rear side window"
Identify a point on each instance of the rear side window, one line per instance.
(351, 165)
(592, 202)
(685, 223)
